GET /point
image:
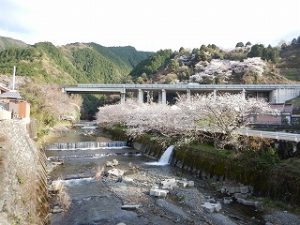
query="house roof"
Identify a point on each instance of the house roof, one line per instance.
(11, 95)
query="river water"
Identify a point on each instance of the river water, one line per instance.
(89, 195)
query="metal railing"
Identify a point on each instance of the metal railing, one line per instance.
(268, 134)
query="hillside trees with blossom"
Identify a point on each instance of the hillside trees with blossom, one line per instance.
(217, 118)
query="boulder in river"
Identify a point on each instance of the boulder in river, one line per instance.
(112, 163)
(116, 172)
(212, 207)
(56, 186)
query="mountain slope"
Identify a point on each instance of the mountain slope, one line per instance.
(130, 55)
(290, 62)
(211, 65)
(72, 63)
(6, 42)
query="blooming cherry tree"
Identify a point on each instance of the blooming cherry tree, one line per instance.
(217, 117)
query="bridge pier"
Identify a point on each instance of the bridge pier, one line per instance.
(159, 97)
(123, 97)
(140, 96)
(215, 95)
(244, 93)
(163, 96)
(188, 94)
(294, 147)
(149, 96)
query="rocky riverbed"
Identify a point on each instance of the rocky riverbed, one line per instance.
(115, 186)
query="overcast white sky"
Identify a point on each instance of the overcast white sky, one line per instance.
(151, 24)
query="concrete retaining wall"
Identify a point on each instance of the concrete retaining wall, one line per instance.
(5, 115)
(23, 190)
(283, 95)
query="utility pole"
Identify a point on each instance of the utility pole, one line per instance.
(14, 78)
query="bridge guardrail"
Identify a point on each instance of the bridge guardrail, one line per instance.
(191, 86)
(270, 134)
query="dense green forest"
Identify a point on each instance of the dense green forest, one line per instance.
(6, 42)
(72, 63)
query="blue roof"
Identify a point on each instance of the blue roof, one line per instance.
(11, 95)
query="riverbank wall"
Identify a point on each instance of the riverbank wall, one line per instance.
(23, 177)
(263, 170)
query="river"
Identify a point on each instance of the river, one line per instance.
(89, 195)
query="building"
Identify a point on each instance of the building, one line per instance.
(12, 106)
(283, 117)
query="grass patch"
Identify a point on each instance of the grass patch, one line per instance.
(275, 204)
(210, 148)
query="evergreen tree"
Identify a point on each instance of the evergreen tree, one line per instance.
(239, 45)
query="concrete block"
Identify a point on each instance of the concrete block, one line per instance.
(128, 179)
(158, 192)
(212, 207)
(186, 183)
(169, 184)
(248, 202)
(208, 207)
(240, 195)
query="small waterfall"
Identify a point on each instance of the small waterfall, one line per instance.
(87, 145)
(164, 159)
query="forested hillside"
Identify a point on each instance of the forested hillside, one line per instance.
(42, 67)
(72, 63)
(290, 63)
(246, 63)
(6, 42)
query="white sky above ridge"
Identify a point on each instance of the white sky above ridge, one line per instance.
(150, 25)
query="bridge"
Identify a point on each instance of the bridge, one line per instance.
(274, 93)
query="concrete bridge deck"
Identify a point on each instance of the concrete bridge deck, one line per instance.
(275, 93)
(119, 88)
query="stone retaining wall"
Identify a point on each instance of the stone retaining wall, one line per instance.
(23, 189)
